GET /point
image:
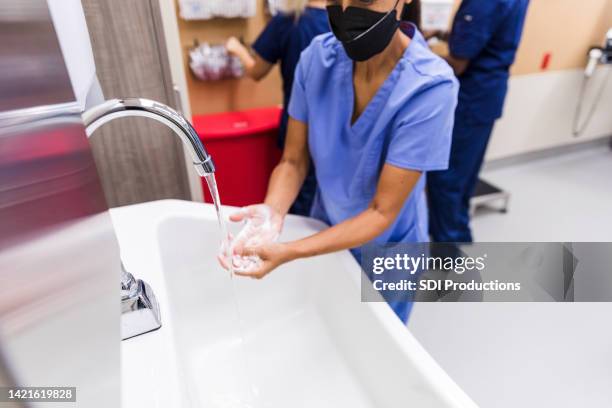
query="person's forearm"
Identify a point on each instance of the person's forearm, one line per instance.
(285, 183)
(459, 65)
(252, 68)
(351, 233)
(245, 58)
(441, 35)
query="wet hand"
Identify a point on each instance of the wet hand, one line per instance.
(262, 226)
(270, 256)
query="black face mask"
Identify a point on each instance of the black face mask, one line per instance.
(363, 33)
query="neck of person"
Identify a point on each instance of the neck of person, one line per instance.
(384, 62)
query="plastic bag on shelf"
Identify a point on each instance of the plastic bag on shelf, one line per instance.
(207, 9)
(213, 62)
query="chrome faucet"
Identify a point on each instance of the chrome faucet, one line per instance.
(131, 107)
(139, 308)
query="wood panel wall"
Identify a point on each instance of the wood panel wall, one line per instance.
(138, 159)
(230, 94)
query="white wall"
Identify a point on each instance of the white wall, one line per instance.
(540, 108)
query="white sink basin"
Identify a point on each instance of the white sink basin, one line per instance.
(299, 338)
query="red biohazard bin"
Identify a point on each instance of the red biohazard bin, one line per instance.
(243, 146)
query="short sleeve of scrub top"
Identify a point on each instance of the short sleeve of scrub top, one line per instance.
(298, 106)
(422, 140)
(269, 43)
(475, 23)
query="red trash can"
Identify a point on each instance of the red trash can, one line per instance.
(244, 150)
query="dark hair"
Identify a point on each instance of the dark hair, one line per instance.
(412, 13)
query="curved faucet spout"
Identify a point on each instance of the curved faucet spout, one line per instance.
(131, 107)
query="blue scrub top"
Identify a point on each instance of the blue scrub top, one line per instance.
(284, 39)
(407, 124)
(488, 34)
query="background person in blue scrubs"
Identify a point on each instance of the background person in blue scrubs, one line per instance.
(284, 39)
(482, 44)
(374, 107)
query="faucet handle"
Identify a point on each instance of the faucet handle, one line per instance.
(139, 308)
(129, 286)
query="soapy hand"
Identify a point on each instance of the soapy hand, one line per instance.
(262, 226)
(269, 257)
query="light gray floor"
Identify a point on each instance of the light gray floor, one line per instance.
(527, 355)
(533, 355)
(565, 198)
